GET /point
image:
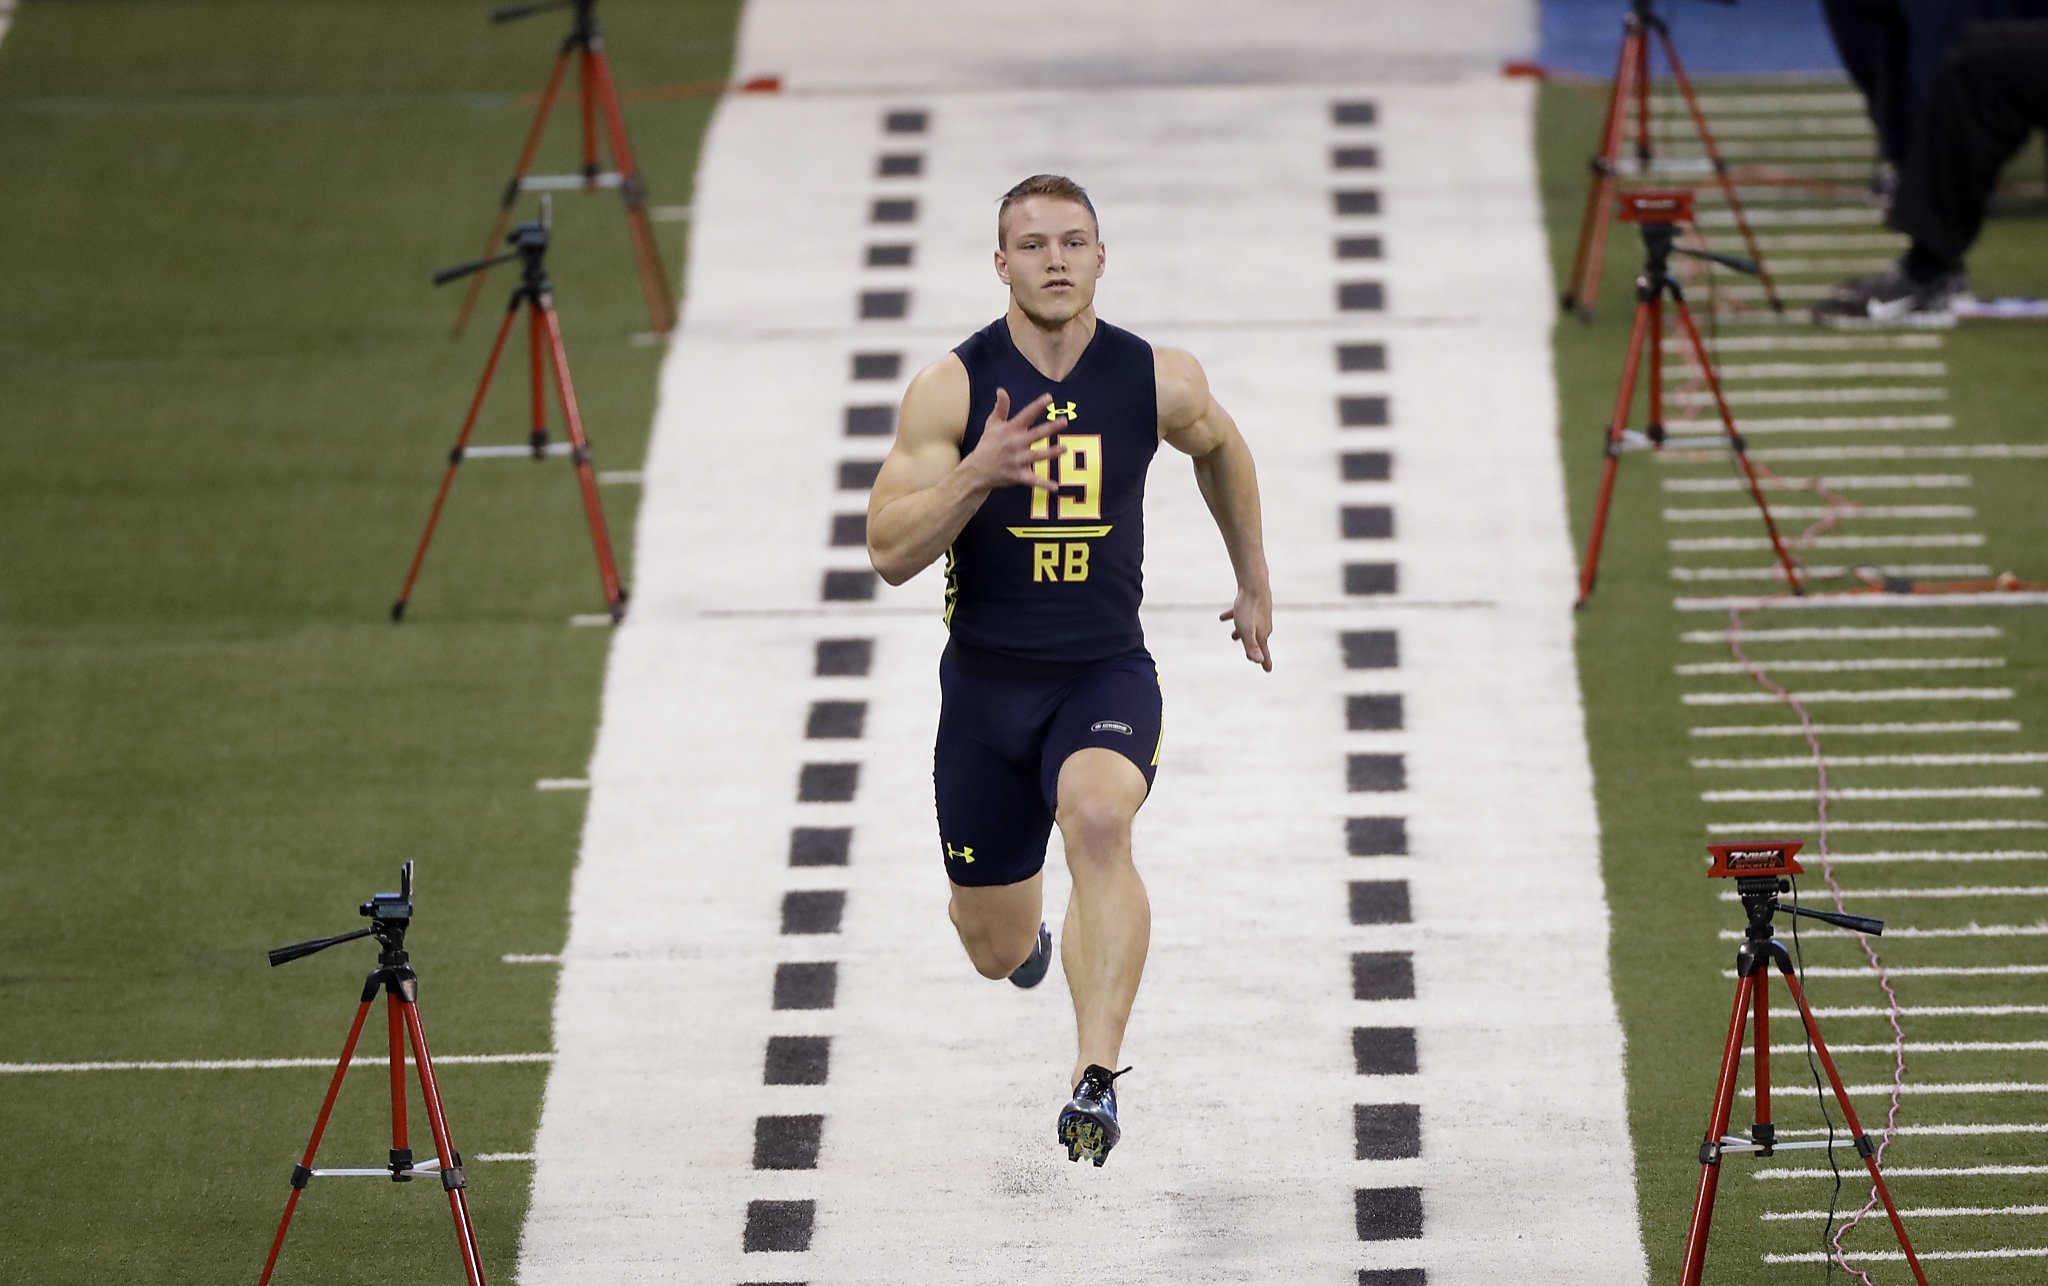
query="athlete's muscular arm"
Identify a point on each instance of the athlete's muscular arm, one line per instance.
(926, 492)
(1191, 421)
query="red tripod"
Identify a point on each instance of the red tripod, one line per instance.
(530, 242)
(1759, 872)
(1660, 214)
(1632, 90)
(390, 914)
(596, 92)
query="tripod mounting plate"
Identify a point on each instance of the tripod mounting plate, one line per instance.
(1663, 206)
(1758, 859)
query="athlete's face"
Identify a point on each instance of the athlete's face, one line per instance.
(1050, 258)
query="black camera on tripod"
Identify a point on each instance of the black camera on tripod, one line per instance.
(390, 913)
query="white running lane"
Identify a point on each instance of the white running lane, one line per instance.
(1208, 152)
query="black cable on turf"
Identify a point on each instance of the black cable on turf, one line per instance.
(1827, 1259)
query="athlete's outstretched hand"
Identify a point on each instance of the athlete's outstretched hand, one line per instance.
(1251, 622)
(1009, 445)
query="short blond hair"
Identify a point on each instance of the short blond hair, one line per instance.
(1052, 185)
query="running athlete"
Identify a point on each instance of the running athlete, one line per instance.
(1021, 456)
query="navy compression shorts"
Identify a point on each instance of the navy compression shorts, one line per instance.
(1005, 728)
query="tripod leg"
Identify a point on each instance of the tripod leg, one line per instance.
(1717, 1129)
(537, 386)
(1614, 432)
(1741, 448)
(1699, 122)
(1584, 284)
(455, 458)
(593, 509)
(533, 133)
(1642, 88)
(661, 309)
(452, 1178)
(586, 84)
(302, 1173)
(1863, 1147)
(401, 1145)
(1761, 1130)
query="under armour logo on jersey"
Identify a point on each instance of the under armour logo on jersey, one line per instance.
(964, 853)
(1058, 412)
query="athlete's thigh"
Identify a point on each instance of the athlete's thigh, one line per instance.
(1000, 911)
(1115, 707)
(993, 820)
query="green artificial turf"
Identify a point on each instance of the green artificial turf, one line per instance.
(1667, 956)
(229, 393)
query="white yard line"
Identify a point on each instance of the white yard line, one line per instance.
(259, 1064)
(1827, 216)
(1914, 1011)
(1744, 796)
(1812, 396)
(1806, 825)
(1832, 696)
(1825, 370)
(1853, 601)
(1923, 1046)
(1793, 343)
(1988, 451)
(1833, 482)
(1981, 891)
(1858, 729)
(1840, 667)
(1940, 858)
(1876, 761)
(1916, 1171)
(1930, 540)
(1798, 103)
(1747, 513)
(1898, 1256)
(1924, 1212)
(1824, 572)
(1831, 633)
(1892, 931)
(1847, 424)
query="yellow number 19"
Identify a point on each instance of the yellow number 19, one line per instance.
(1080, 465)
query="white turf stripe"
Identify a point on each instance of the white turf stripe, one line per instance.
(1899, 1256)
(1806, 826)
(531, 957)
(1853, 124)
(1836, 667)
(1925, 1047)
(1821, 343)
(1846, 482)
(1945, 1088)
(503, 1156)
(1989, 855)
(1830, 696)
(621, 478)
(1876, 761)
(1825, 572)
(1858, 729)
(1920, 1171)
(1984, 451)
(1819, 633)
(1873, 792)
(1747, 513)
(1912, 1212)
(1960, 931)
(1789, 292)
(1913, 1011)
(1849, 424)
(1788, 266)
(1831, 216)
(1812, 396)
(1716, 105)
(1829, 602)
(590, 620)
(1938, 1131)
(562, 783)
(261, 1064)
(1978, 891)
(1932, 540)
(1822, 370)
(1890, 242)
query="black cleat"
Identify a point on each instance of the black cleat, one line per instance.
(1088, 1125)
(1032, 971)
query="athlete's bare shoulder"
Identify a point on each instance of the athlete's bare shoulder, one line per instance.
(935, 404)
(1183, 390)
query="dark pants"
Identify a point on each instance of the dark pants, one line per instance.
(1893, 50)
(1991, 93)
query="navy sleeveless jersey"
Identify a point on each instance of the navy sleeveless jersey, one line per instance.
(1057, 576)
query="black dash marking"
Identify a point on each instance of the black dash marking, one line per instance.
(1360, 412)
(820, 845)
(1359, 201)
(858, 475)
(1375, 975)
(1384, 1131)
(791, 1142)
(1358, 248)
(827, 783)
(836, 719)
(786, 1225)
(877, 366)
(814, 910)
(911, 121)
(1359, 522)
(849, 530)
(893, 209)
(1373, 712)
(798, 1060)
(1383, 1051)
(1376, 836)
(1359, 466)
(844, 656)
(870, 420)
(1380, 902)
(1361, 357)
(1354, 113)
(1371, 649)
(849, 586)
(1361, 773)
(884, 305)
(1371, 578)
(1359, 297)
(1366, 1277)
(899, 165)
(1389, 1214)
(891, 255)
(816, 986)
(1354, 158)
